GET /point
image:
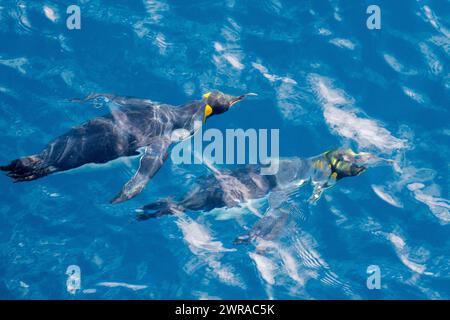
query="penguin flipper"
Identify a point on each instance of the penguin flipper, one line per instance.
(272, 224)
(269, 227)
(151, 161)
(123, 101)
(320, 187)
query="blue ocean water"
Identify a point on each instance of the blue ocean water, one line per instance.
(324, 80)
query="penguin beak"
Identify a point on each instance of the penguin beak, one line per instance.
(234, 100)
(368, 159)
(357, 170)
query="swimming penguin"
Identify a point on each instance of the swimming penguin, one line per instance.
(135, 125)
(227, 189)
(235, 188)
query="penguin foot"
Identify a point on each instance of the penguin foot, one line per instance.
(27, 169)
(158, 209)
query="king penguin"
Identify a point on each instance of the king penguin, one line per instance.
(231, 188)
(137, 125)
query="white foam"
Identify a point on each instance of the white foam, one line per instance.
(291, 266)
(343, 43)
(273, 6)
(50, 13)
(231, 32)
(324, 32)
(415, 186)
(22, 16)
(419, 98)
(386, 197)
(155, 10)
(199, 238)
(234, 61)
(328, 94)
(218, 47)
(440, 207)
(337, 16)
(434, 65)
(140, 29)
(346, 122)
(230, 53)
(265, 267)
(430, 16)
(397, 66)
(272, 77)
(290, 98)
(338, 213)
(442, 42)
(202, 244)
(17, 64)
(290, 102)
(420, 181)
(89, 291)
(161, 42)
(403, 254)
(433, 20)
(133, 287)
(311, 258)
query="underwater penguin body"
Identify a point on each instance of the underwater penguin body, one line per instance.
(232, 188)
(121, 133)
(228, 189)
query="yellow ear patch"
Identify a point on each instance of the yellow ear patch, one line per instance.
(206, 95)
(334, 175)
(208, 112)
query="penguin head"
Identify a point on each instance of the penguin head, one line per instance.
(217, 102)
(344, 162)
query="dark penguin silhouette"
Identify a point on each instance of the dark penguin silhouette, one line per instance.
(137, 124)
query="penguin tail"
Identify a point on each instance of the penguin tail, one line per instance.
(158, 209)
(27, 168)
